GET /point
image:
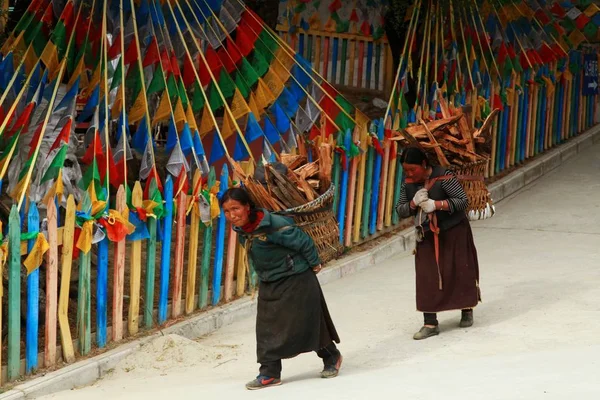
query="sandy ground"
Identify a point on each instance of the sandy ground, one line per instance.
(535, 334)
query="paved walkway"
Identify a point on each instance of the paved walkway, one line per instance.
(535, 334)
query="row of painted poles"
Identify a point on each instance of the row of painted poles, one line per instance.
(326, 51)
(534, 119)
(57, 297)
(368, 188)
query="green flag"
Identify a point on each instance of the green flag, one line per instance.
(56, 165)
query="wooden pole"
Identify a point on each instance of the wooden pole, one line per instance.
(65, 281)
(101, 292)
(119, 272)
(190, 291)
(135, 275)
(179, 252)
(220, 246)
(51, 286)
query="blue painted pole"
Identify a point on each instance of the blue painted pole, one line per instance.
(220, 244)
(165, 252)
(376, 181)
(33, 296)
(344, 188)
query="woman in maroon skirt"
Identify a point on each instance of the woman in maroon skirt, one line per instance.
(447, 271)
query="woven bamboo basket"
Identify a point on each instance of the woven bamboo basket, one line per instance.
(317, 219)
(471, 177)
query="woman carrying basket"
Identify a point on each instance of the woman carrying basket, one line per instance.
(292, 313)
(447, 271)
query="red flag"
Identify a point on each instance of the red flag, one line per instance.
(116, 178)
(335, 5)
(203, 72)
(314, 133)
(115, 49)
(175, 66)
(152, 55)
(22, 121)
(63, 136)
(213, 61)
(377, 146)
(252, 21)
(497, 102)
(502, 54)
(165, 62)
(35, 140)
(366, 28)
(112, 167)
(115, 231)
(226, 60)
(558, 11)
(153, 175)
(244, 43)
(188, 71)
(542, 17)
(582, 21)
(93, 150)
(131, 52)
(182, 184)
(354, 16)
(233, 51)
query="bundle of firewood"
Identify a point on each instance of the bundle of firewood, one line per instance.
(304, 182)
(451, 140)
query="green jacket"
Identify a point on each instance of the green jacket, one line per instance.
(278, 248)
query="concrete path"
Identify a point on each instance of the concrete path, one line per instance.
(536, 334)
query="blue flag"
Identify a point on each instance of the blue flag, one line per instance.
(217, 152)
(171, 136)
(141, 229)
(270, 132)
(253, 129)
(186, 140)
(281, 119)
(140, 138)
(69, 96)
(7, 69)
(91, 105)
(198, 147)
(288, 102)
(240, 153)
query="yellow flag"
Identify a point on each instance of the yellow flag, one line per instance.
(138, 110)
(30, 61)
(254, 106)
(117, 106)
(57, 189)
(36, 255)
(123, 218)
(179, 115)
(264, 96)
(239, 107)
(84, 243)
(215, 211)
(9, 44)
(95, 77)
(149, 206)
(273, 82)
(164, 111)
(576, 37)
(549, 85)
(50, 57)
(191, 119)
(206, 125)
(79, 73)
(591, 10)
(19, 188)
(228, 127)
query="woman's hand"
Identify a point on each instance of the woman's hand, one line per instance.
(317, 269)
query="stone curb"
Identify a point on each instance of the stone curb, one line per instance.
(88, 371)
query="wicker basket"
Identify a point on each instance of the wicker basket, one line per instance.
(471, 177)
(317, 219)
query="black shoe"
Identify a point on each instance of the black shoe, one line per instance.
(262, 382)
(331, 371)
(467, 319)
(426, 332)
